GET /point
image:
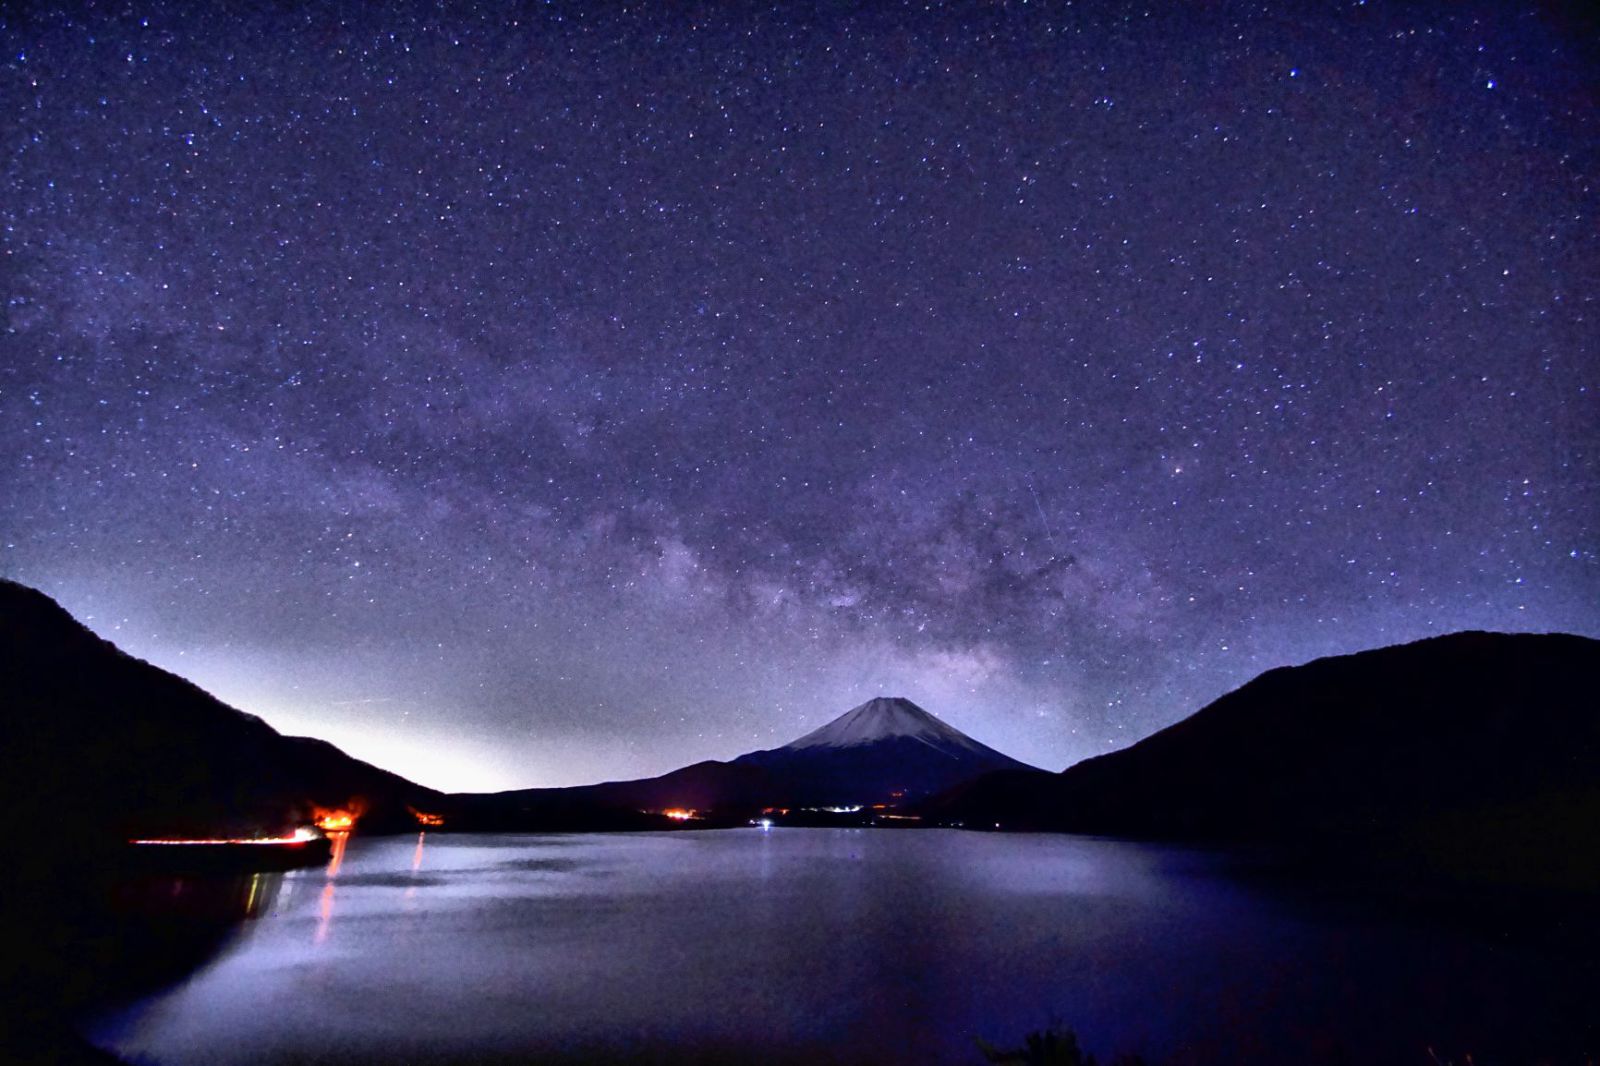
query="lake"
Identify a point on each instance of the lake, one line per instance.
(834, 946)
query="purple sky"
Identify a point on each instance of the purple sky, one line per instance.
(520, 402)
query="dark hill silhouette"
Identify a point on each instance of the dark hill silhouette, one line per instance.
(1484, 742)
(633, 804)
(100, 746)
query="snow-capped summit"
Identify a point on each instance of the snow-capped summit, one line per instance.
(887, 749)
(885, 718)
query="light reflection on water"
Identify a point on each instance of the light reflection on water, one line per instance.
(819, 945)
(340, 841)
(210, 898)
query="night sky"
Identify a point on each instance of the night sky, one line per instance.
(526, 401)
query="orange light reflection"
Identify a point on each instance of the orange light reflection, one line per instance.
(325, 919)
(326, 916)
(339, 841)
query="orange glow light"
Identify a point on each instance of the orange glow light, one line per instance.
(335, 819)
(426, 819)
(678, 814)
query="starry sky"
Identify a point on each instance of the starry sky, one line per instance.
(535, 394)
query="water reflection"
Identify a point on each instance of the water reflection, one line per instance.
(82, 944)
(340, 841)
(201, 899)
(840, 946)
(416, 869)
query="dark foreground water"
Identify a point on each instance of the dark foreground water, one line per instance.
(847, 946)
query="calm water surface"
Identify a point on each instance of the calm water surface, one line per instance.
(846, 946)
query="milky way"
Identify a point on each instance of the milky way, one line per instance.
(529, 401)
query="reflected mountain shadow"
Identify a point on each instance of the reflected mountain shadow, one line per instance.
(545, 865)
(521, 841)
(100, 937)
(394, 880)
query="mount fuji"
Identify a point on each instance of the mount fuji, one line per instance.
(886, 751)
(886, 718)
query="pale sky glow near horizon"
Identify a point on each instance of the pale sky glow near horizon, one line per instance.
(536, 399)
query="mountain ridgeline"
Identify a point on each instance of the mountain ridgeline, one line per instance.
(1480, 743)
(104, 747)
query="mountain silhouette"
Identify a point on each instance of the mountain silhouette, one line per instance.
(888, 750)
(1484, 745)
(100, 746)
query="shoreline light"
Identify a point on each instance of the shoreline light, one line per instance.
(299, 836)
